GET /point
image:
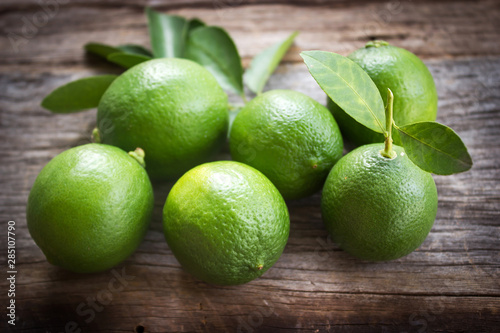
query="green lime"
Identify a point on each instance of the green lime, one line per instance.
(90, 207)
(172, 108)
(377, 208)
(290, 138)
(225, 222)
(408, 78)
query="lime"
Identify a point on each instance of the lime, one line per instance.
(225, 222)
(172, 108)
(408, 78)
(377, 208)
(290, 138)
(90, 207)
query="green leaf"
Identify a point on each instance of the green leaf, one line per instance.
(213, 48)
(78, 95)
(167, 33)
(102, 50)
(130, 54)
(127, 60)
(135, 49)
(348, 85)
(264, 64)
(195, 23)
(435, 148)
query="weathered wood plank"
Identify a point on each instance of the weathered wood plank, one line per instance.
(168, 4)
(314, 286)
(435, 29)
(192, 309)
(451, 283)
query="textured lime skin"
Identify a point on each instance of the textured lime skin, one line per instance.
(225, 222)
(90, 207)
(290, 138)
(174, 109)
(377, 208)
(415, 94)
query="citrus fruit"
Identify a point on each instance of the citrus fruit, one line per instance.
(90, 207)
(378, 208)
(408, 78)
(172, 108)
(225, 222)
(290, 138)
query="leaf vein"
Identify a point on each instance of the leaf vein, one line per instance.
(352, 88)
(220, 64)
(434, 148)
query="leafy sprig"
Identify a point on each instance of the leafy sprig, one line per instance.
(431, 146)
(174, 36)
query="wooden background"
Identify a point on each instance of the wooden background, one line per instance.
(451, 283)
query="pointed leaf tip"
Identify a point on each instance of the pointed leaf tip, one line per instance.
(78, 95)
(349, 86)
(435, 148)
(127, 60)
(264, 64)
(101, 50)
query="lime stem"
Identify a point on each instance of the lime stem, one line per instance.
(138, 154)
(388, 152)
(376, 43)
(96, 136)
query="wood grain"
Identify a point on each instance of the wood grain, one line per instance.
(451, 283)
(435, 29)
(169, 4)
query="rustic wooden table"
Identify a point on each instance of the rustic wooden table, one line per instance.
(451, 283)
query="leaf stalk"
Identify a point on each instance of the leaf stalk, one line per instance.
(388, 152)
